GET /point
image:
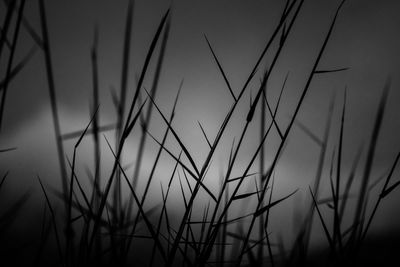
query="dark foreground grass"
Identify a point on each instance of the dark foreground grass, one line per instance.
(100, 226)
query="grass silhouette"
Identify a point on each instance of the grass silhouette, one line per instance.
(99, 226)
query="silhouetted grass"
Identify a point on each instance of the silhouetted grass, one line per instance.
(102, 227)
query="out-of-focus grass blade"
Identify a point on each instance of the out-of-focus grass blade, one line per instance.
(309, 133)
(337, 218)
(125, 67)
(53, 99)
(252, 241)
(6, 41)
(330, 71)
(6, 24)
(377, 181)
(7, 149)
(121, 133)
(385, 191)
(11, 59)
(350, 180)
(370, 156)
(25, 23)
(76, 134)
(133, 122)
(44, 236)
(3, 179)
(331, 199)
(9, 216)
(269, 245)
(390, 189)
(17, 69)
(308, 224)
(114, 97)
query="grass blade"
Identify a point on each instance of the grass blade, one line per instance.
(10, 60)
(370, 158)
(221, 69)
(53, 99)
(53, 217)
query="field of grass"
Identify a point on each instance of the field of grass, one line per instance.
(133, 194)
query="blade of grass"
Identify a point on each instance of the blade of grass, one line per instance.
(194, 176)
(117, 198)
(103, 199)
(100, 129)
(18, 68)
(221, 69)
(207, 249)
(69, 229)
(162, 211)
(328, 236)
(53, 218)
(370, 158)
(269, 206)
(3, 179)
(144, 216)
(322, 49)
(149, 110)
(6, 24)
(350, 181)
(205, 135)
(271, 257)
(337, 219)
(385, 191)
(10, 60)
(330, 71)
(7, 149)
(183, 147)
(260, 251)
(28, 27)
(149, 180)
(53, 100)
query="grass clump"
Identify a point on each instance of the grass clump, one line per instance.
(99, 225)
